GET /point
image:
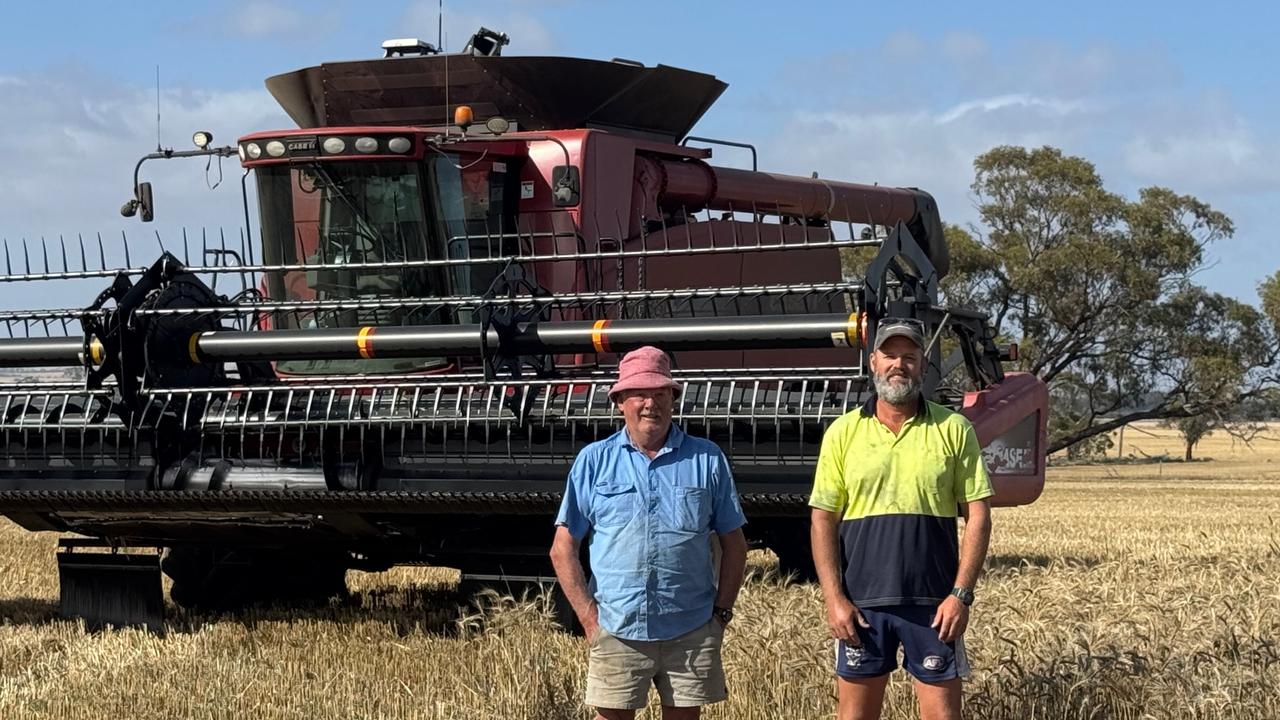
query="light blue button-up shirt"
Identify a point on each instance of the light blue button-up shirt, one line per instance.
(650, 525)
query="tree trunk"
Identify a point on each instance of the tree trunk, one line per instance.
(1190, 445)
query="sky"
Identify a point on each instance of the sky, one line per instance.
(1173, 94)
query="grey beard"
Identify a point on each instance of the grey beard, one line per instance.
(894, 393)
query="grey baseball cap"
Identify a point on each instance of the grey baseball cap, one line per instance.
(913, 330)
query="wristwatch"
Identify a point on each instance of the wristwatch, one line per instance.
(723, 614)
(965, 595)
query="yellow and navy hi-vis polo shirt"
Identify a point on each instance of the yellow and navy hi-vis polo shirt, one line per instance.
(898, 497)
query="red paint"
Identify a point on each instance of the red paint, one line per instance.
(999, 408)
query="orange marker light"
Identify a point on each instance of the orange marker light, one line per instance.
(463, 117)
(364, 342)
(599, 339)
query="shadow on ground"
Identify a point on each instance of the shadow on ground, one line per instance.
(410, 610)
(445, 611)
(28, 611)
(1015, 561)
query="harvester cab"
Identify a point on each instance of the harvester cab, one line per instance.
(453, 252)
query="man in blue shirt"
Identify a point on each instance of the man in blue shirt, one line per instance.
(648, 499)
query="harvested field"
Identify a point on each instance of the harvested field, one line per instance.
(1128, 591)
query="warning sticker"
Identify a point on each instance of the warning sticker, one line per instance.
(839, 339)
(499, 167)
(526, 190)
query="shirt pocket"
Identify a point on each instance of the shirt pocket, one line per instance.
(691, 509)
(615, 503)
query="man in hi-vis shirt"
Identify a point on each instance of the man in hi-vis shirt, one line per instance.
(891, 477)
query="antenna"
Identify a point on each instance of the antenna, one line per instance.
(448, 120)
(440, 27)
(158, 108)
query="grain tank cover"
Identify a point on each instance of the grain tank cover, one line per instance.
(538, 93)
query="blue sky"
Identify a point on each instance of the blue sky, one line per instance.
(1174, 94)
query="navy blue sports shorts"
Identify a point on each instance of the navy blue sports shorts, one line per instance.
(927, 658)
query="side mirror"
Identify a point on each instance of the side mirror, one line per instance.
(564, 185)
(144, 202)
(141, 200)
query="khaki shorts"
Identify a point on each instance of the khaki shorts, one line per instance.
(686, 670)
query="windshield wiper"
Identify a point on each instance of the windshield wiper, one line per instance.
(362, 221)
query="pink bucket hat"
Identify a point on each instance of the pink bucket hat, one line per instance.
(645, 368)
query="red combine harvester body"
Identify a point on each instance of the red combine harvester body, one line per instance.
(438, 312)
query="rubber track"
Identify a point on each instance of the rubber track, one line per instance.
(286, 501)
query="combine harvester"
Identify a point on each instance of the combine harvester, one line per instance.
(427, 339)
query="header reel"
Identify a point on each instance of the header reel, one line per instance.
(165, 330)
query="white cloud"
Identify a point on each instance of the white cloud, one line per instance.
(964, 47)
(262, 18)
(904, 46)
(920, 118)
(70, 157)
(280, 21)
(891, 147)
(1214, 154)
(1016, 101)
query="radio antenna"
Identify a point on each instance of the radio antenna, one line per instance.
(440, 27)
(447, 118)
(158, 108)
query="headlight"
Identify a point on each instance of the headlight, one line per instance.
(253, 151)
(243, 154)
(398, 145)
(275, 148)
(366, 144)
(334, 145)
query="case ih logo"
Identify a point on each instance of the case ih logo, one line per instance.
(1013, 453)
(301, 145)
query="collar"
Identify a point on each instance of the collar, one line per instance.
(675, 437)
(868, 408)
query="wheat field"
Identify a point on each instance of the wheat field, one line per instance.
(1129, 590)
